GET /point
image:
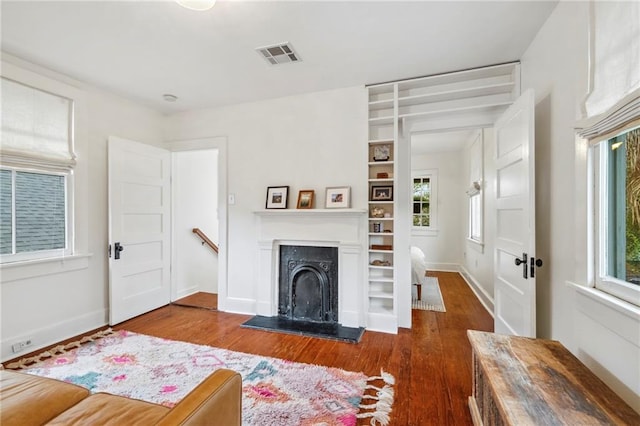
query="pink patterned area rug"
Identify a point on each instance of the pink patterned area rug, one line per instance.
(275, 391)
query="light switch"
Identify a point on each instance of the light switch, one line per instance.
(232, 199)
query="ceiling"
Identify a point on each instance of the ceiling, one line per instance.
(144, 49)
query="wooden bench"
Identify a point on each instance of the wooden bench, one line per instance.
(523, 381)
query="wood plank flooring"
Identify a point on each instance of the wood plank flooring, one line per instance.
(199, 300)
(431, 361)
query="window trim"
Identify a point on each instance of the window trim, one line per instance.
(599, 196)
(432, 229)
(68, 249)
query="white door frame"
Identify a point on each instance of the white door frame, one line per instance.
(220, 144)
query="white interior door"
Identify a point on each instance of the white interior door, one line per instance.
(514, 271)
(139, 223)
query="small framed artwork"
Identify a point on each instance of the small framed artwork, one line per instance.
(382, 193)
(305, 199)
(277, 197)
(338, 197)
(381, 153)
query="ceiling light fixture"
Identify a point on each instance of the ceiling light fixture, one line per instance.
(198, 5)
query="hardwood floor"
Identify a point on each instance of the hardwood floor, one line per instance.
(431, 361)
(199, 300)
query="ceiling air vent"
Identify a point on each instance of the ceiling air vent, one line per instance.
(279, 53)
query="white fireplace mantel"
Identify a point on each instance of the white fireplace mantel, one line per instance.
(341, 228)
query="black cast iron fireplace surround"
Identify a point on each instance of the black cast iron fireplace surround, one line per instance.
(308, 295)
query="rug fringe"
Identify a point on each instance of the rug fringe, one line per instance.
(58, 350)
(384, 397)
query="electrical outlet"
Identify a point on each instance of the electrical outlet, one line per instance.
(20, 346)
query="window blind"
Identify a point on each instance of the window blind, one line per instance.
(36, 128)
(614, 54)
(614, 69)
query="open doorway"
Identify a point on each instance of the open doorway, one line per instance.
(195, 228)
(439, 161)
(442, 166)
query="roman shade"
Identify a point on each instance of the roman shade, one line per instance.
(36, 128)
(614, 69)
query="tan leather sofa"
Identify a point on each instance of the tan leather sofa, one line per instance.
(31, 400)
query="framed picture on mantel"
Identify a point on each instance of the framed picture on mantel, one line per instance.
(277, 197)
(305, 199)
(338, 197)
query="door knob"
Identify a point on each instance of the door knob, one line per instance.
(523, 262)
(117, 248)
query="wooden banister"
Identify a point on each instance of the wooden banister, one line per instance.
(205, 239)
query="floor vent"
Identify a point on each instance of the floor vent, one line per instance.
(281, 53)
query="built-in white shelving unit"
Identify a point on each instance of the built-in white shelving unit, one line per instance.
(470, 98)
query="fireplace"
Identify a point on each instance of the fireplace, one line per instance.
(341, 230)
(308, 283)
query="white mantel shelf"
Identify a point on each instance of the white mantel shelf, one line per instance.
(310, 212)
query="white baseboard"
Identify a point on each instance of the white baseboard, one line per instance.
(443, 267)
(235, 305)
(481, 294)
(350, 319)
(186, 292)
(54, 333)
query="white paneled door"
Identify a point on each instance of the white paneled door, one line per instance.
(139, 228)
(515, 263)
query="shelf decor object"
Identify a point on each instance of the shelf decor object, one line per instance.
(277, 197)
(381, 153)
(338, 197)
(382, 193)
(305, 199)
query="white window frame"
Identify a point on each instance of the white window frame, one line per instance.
(599, 194)
(432, 229)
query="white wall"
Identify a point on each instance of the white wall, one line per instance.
(195, 205)
(477, 260)
(58, 303)
(604, 334)
(443, 249)
(309, 141)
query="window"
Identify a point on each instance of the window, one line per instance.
(475, 217)
(33, 212)
(617, 168)
(424, 203)
(35, 173)
(475, 193)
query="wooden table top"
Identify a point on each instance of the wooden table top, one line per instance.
(537, 381)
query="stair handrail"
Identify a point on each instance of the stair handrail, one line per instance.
(205, 239)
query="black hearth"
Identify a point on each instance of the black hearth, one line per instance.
(308, 284)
